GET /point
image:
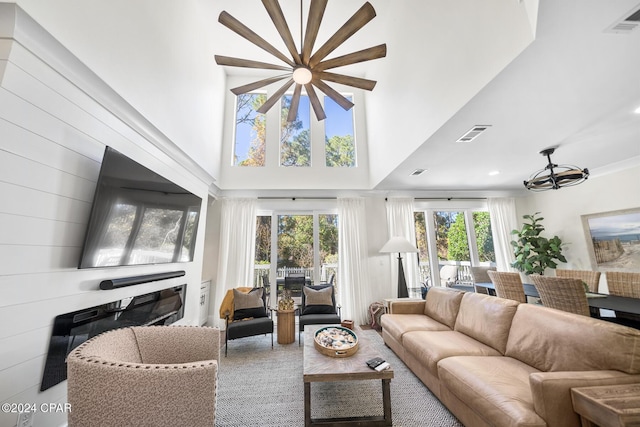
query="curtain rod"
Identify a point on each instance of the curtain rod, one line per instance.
(297, 198)
(446, 198)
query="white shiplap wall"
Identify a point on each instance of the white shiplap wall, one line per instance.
(53, 131)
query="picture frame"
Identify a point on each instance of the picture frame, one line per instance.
(613, 239)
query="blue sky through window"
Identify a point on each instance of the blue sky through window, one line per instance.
(338, 122)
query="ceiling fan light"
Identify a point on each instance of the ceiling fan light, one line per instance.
(302, 75)
(554, 177)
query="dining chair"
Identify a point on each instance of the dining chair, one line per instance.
(591, 278)
(267, 290)
(562, 293)
(449, 275)
(479, 275)
(294, 282)
(508, 285)
(624, 284)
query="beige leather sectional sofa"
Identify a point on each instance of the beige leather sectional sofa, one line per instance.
(495, 362)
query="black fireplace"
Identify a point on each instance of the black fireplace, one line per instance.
(72, 329)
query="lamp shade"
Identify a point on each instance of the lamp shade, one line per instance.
(398, 244)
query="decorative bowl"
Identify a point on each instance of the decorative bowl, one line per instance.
(336, 341)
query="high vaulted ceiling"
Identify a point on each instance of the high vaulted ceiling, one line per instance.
(540, 73)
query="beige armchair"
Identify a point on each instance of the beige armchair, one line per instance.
(145, 376)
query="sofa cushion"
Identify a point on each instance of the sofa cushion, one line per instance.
(175, 344)
(497, 388)
(442, 304)
(117, 345)
(553, 340)
(486, 318)
(397, 325)
(432, 346)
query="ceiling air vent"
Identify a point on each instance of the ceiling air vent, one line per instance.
(628, 23)
(417, 172)
(473, 133)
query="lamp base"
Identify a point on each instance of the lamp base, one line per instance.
(403, 292)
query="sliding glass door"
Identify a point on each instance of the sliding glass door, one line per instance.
(295, 244)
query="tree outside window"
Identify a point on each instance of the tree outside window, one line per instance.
(340, 149)
(295, 138)
(250, 142)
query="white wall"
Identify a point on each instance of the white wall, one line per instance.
(171, 55)
(52, 136)
(562, 210)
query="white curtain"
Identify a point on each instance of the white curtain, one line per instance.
(353, 275)
(237, 247)
(400, 222)
(503, 219)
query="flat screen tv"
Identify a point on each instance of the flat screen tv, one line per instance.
(138, 217)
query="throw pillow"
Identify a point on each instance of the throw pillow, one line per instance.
(318, 301)
(248, 304)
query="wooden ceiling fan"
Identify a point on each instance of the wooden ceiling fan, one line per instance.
(306, 68)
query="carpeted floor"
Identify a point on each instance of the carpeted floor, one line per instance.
(262, 387)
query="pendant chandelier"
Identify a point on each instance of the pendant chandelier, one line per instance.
(553, 176)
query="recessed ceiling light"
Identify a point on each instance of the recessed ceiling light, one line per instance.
(637, 110)
(492, 173)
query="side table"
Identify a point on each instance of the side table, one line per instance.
(286, 326)
(608, 406)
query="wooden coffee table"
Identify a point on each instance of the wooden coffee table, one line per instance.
(321, 368)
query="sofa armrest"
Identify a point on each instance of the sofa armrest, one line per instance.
(551, 392)
(406, 307)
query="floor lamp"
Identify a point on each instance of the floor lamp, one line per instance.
(400, 245)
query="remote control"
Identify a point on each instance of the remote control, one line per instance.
(382, 366)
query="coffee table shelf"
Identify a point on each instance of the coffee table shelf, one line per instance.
(321, 368)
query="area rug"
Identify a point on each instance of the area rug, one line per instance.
(260, 386)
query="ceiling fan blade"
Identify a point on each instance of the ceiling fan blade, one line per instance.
(315, 102)
(332, 93)
(247, 63)
(359, 19)
(275, 12)
(242, 30)
(347, 80)
(375, 52)
(295, 101)
(256, 85)
(316, 12)
(275, 97)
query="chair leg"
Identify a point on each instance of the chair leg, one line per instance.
(226, 343)
(271, 339)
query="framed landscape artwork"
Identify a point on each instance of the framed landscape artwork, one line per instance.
(613, 239)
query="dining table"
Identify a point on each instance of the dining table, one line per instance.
(595, 300)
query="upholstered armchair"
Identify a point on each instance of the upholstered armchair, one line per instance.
(145, 376)
(318, 307)
(245, 313)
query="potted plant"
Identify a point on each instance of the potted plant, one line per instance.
(534, 253)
